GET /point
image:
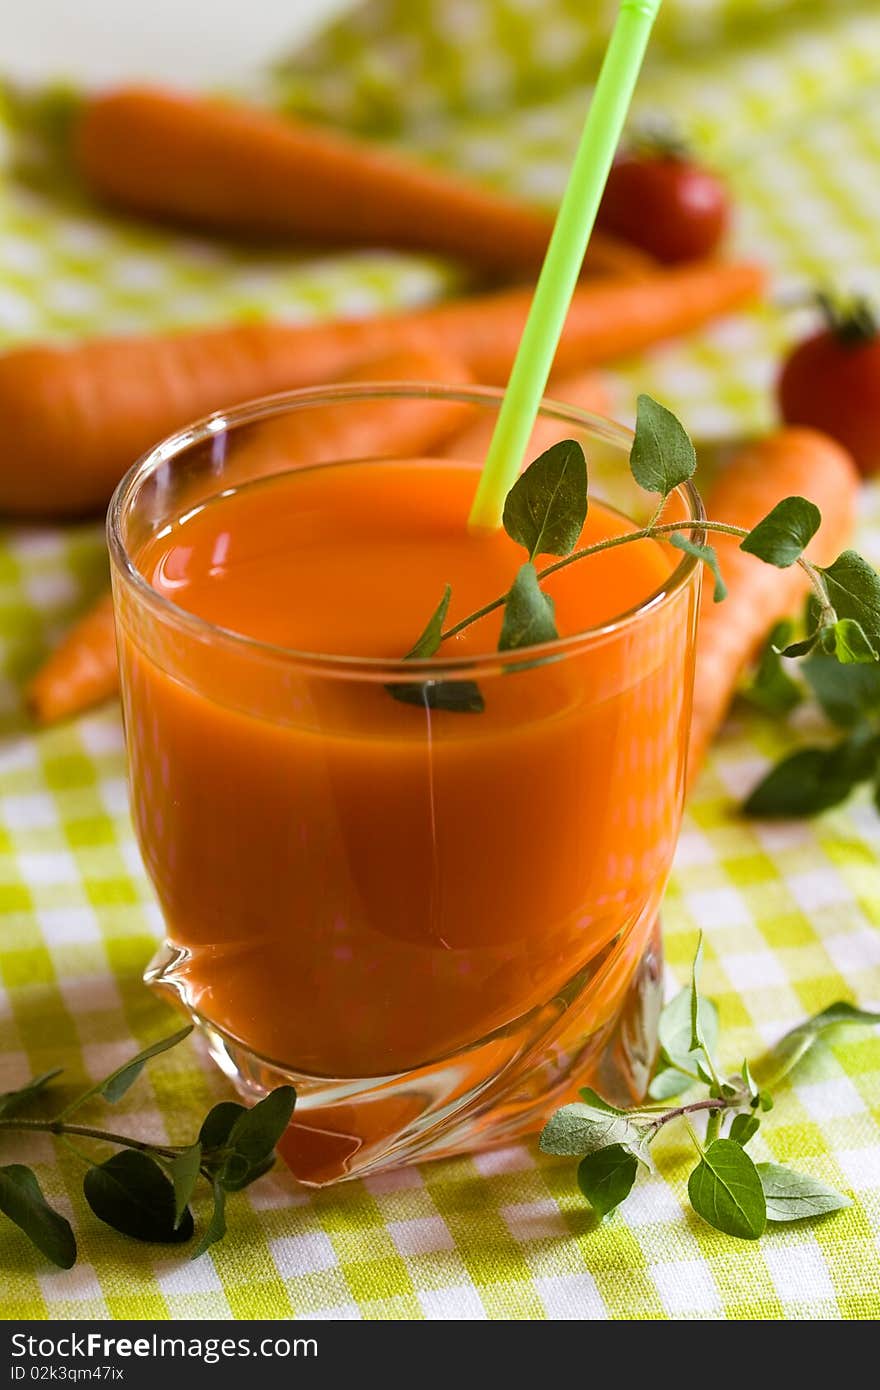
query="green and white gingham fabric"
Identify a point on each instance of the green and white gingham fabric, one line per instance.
(782, 96)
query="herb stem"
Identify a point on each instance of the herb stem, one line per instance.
(649, 532)
(60, 1128)
(682, 1111)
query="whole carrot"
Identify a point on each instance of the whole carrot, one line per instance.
(792, 462)
(585, 390)
(230, 168)
(386, 428)
(82, 671)
(74, 418)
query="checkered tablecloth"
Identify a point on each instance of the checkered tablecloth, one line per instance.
(782, 96)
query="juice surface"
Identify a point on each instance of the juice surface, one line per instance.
(359, 886)
(351, 560)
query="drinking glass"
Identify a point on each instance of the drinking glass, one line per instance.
(436, 927)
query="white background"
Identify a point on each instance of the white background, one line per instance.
(187, 42)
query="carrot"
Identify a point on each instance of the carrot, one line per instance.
(584, 390)
(387, 428)
(223, 167)
(792, 462)
(74, 418)
(82, 671)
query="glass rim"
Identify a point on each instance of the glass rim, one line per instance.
(374, 667)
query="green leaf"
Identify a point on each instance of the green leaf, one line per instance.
(847, 641)
(131, 1193)
(662, 455)
(804, 647)
(667, 1083)
(743, 1128)
(792, 1196)
(114, 1087)
(579, 1129)
(429, 641)
(812, 780)
(725, 1189)
(749, 1082)
(237, 1173)
(217, 1124)
(216, 1228)
(698, 1036)
(591, 1097)
(546, 508)
(23, 1202)
(797, 1043)
(784, 533)
(12, 1101)
(847, 693)
(458, 697)
(676, 1029)
(606, 1177)
(528, 613)
(184, 1173)
(707, 554)
(771, 688)
(854, 590)
(257, 1131)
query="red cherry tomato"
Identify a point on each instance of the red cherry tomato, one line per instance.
(832, 382)
(665, 204)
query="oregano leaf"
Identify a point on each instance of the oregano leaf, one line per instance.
(216, 1228)
(184, 1171)
(847, 641)
(846, 692)
(813, 779)
(675, 1029)
(528, 613)
(257, 1131)
(725, 1190)
(217, 1124)
(784, 533)
(546, 508)
(591, 1097)
(708, 555)
(743, 1128)
(792, 1196)
(429, 641)
(667, 1083)
(12, 1101)
(662, 455)
(22, 1201)
(131, 1193)
(457, 697)
(578, 1129)
(771, 688)
(854, 591)
(797, 1043)
(606, 1177)
(114, 1086)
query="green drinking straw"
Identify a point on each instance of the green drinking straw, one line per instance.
(565, 254)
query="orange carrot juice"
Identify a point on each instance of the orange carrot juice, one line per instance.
(359, 888)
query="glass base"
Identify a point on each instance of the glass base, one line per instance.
(495, 1092)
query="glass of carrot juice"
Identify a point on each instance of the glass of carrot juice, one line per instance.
(424, 892)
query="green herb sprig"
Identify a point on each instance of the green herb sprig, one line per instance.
(545, 512)
(143, 1190)
(817, 776)
(726, 1187)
